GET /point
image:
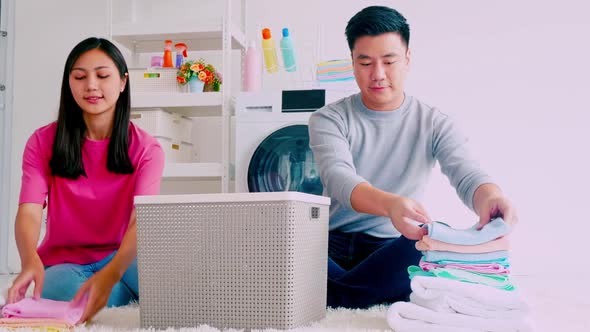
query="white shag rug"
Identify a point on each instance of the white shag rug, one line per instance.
(337, 320)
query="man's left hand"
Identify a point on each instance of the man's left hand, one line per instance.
(494, 207)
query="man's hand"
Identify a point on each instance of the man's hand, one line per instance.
(97, 289)
(490, 203)
(494, 207)
(402, 211)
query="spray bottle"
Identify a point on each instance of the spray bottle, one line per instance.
(269, 51)
(181, 53)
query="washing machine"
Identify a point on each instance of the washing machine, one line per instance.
(272, 141)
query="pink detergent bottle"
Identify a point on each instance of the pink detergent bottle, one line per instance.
(252, 69)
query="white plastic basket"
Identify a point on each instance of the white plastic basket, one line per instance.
(240, 260)
(176, 151)
(185, 128)
(171, 149)
(161, 123)
(156, 121)
(187, 152)
(154, 80)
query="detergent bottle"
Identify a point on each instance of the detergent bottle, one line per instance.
(288, 51)
(181, 53)
(168, 54)
(252, 69)
(270, 52)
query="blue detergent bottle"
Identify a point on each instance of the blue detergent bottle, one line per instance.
(288, 51)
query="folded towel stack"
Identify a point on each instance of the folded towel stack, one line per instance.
(335, 71)
(42, 314)
(462, 284)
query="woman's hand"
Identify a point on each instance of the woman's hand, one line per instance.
(32, 271)
(97, 290)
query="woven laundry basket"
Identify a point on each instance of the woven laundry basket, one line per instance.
(239, 260)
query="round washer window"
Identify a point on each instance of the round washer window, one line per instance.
(284, 162)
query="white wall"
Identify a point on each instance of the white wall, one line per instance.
(515, 75)
(6, 46)
(45, 32)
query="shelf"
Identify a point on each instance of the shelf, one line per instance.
(181, 171)
(187, 104)
(144, 37)
(176, 99)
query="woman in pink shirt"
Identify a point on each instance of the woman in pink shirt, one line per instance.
(86, 169)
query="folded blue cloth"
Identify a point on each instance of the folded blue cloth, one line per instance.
(471, 236)
(435, 256)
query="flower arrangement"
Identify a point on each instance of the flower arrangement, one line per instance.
(200, 70)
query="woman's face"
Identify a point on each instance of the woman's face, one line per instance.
(96, 84)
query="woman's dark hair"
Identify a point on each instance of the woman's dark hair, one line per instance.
(376, 20)
(66, 160)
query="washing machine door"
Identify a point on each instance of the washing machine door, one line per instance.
(284, 162)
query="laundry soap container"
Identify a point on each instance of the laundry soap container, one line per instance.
(232, 260)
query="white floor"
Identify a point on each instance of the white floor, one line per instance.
(557, 306)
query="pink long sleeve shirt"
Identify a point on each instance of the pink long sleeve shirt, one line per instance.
(87, 217)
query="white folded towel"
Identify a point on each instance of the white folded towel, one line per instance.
(447, 295)
(405, 316)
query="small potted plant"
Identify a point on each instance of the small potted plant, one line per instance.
(199, 75)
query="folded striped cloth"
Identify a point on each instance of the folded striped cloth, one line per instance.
(35, 324)
(334, 71)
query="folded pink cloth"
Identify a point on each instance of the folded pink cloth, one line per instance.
(428, 243)
(44, 308)
(41, 324)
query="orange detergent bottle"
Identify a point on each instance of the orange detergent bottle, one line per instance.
(168, 54)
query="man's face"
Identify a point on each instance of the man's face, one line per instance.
(380, 66)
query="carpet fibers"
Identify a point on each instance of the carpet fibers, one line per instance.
(341, 320)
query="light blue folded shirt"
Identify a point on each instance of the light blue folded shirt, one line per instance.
(471, 236)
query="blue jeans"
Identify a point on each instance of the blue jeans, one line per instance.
(62, 281)
(364, 270)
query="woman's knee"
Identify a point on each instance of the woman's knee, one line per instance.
(62, 281)
(121, 295)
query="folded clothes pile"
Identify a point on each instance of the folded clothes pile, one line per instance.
(41, 314)
(462, 283)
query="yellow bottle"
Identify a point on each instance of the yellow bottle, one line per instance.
(270, 52)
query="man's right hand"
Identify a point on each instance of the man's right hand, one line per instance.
(31, 272)
(402, 211)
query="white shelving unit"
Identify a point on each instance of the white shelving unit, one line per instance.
(143, 27)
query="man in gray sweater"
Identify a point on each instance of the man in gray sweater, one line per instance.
(375, 151)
